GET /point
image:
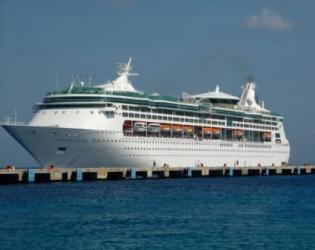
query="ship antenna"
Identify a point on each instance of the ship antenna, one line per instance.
(15, 116)
(90, 79)
(72, 84)
(57, 77)
(125, 69)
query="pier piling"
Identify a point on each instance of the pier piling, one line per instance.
(133, 174)
(30, 175)
(298, 169)
(231, 171)
(79, 176)
(189, 172)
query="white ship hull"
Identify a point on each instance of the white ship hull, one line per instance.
(68, 147)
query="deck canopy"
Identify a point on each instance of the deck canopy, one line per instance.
(216, 96)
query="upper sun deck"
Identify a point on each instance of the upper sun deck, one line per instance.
(88, 91)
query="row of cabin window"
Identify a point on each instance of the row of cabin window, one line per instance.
(205, 116)
(193, 155)
(159, 112)
(255, 126)
(196, 150)
(170, 112)
(169, 118)
(182, 143)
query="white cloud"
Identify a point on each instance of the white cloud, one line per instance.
(269, 20)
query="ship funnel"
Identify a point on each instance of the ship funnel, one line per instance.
(248, 98)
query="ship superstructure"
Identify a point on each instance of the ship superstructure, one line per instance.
(113, 124)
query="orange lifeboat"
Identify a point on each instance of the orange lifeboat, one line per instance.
(207, 131)
(165, 127)
(176, 128)
(188, 129)
(216, 131)
(238, 133)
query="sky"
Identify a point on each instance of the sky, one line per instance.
(177, 46)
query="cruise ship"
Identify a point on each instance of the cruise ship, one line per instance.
(114, 124)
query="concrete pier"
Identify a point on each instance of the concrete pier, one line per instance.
(13, 175)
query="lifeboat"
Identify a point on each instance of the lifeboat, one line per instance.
(267, 136)
(216, 131)
(140, 126)
(238, 133)
(154, 128)
(209, 131)
(165, 127)
(176, 128)
(188, 129)
(127, 125)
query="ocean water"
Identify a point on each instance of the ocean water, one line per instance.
(276, 212)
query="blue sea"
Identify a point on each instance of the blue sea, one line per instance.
(275, 212)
